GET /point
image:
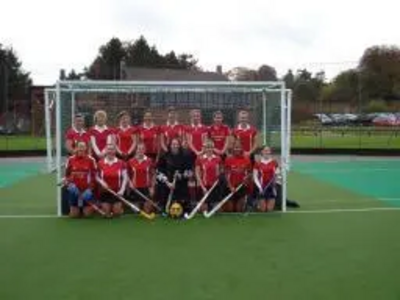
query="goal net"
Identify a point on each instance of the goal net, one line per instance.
(268, 103)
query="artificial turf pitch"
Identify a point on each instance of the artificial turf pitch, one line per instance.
(317, 254)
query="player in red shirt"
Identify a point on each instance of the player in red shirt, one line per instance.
(141, 178)
(125, 136)
(111, 175)
(196, 132)
(76, 134)
(208, 171)
(80, 174)
(100, 135)
(246, 133)
(172, 129)
(219, 134)
(264, 176)
(237, 169)
(149, 135)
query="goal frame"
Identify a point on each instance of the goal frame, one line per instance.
(107, 86)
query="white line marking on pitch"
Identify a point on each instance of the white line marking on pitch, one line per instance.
(343, 210)
(28, 216)
(313, 211)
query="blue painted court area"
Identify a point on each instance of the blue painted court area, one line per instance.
(13, 171)
(373, 178)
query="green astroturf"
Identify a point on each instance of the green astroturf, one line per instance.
(353, 255)
(11, 173)
(378, 179)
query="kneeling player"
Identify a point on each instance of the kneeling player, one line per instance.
(237, 169)
(265, 180)
(141, 178)
(112, 176)
(80, 172)
(174, 169)
(208, 171)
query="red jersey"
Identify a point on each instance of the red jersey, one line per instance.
(125, 138)
(266, 170)
(149, 136)
(209, 169)
(112, 173)
(236, 168)
(246, 135)
(76, 136)
(219, 134)
(101, 136)
(140, 172)
(81, 171)
(197, 134)
(171, 131)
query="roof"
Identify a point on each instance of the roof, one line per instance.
(149, 74)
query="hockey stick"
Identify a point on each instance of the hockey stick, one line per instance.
(144, 197)
(208, 214)
(171, 193)
(90, 203)
(200, 203)
(131, 205)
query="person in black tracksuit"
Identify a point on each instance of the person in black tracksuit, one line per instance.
(175, 163)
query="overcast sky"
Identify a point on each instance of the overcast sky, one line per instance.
(49, 35)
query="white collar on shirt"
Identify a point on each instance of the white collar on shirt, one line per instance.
(110, 162)
(124, 128)
(101, 129)
(209, 157)
(196, 126)
(172, 124)
(78, 131)
(265, 161)
(148, 127)
(246, 127)
(144, 158)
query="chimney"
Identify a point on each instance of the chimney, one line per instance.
(219, 69)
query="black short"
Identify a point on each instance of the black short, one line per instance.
(107, 197)
(136, 198)
(242, 192)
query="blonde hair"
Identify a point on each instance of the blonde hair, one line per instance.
(99, 113)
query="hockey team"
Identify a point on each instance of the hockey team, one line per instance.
(172, 169)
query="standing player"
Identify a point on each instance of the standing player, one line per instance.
(80, 174)
(219, 134)
(196, 132)
(125, 136)
(148, 134)
(141, 178)
(100, 135)
(111, 175)
(237, 169)
(264, 176)
(76, 134)
(246, 133)
(208, 170)
(171, 130)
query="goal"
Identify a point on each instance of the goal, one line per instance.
(269, 105)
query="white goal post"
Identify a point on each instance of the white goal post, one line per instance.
(268, 102)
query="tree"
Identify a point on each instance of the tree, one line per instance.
(266, 73)
(72, 75)
(288, 78)
(107, 65)
(344, 87)
(138, 53)
(380, 72)
(14, 81)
